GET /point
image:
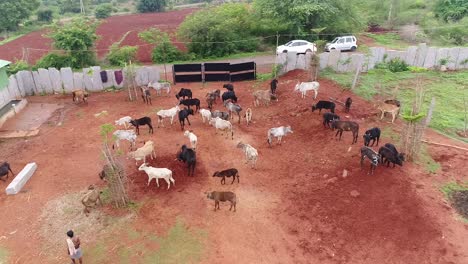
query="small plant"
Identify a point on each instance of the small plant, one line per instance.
(444, 61)
(19, 65)
(397, 65)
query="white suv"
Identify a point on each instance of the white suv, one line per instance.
(342, 43)
(299, 46)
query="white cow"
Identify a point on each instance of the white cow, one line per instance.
(125, 135)
(278, 132)
(124, 121)
(222, 125)
(160, 86)
(303, 87)
(158, 173)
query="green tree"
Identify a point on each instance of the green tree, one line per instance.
(13, 12)
(120, 56)
(301, 16)
(76, 39)
(164, 50)
(148, 6)
(220, 30)
(451, 10)
(103, 11)
(45, 15)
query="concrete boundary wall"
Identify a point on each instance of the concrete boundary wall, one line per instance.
(421, 56)
(49, 81)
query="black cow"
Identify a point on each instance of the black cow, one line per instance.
(184, 93)
(4, 170)
(188, 156)
(328, 118)
(190, 102)
(141, 122)
(273, 85)
(229, 86)
(324, 105)
(183, 114)
(371, 134)
(229, 95)
(348, 103)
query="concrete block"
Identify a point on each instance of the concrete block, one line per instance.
(441, 54)
(26, 82)
(421, 55)
(67, 79)
(39, 88)
(462, 61)
(410, 58)
(44, 79)
(430, 60)
(142, 76)
(96, 78)
(21, 178)
(343, 63)
(291, 61)
(55, 80)
(357, 60)
(87, 79)
(78, 81)
(13, 87)
(453, 57)
(323, 58)
(333, 58)
(301, 62)
(110, 79)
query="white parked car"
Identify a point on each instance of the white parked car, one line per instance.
(342, 43)
(299, 46)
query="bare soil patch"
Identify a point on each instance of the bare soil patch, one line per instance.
(294, 208)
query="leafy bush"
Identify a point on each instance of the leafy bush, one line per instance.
(451, 33)
(417, 69)
(451, 10)
(45, 15)
(397, 65)
(119, 56)
(166, 52)
(54, 60)
(19, 65)
(148, 6)
(103, 11)
(76, 38)
(220, 31)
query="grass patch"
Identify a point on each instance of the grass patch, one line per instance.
(448, 88)
(457, 194)
(425, 159)
(179, 246)
(97, 253)
(4, 255)
(388, 132)
(390, 40)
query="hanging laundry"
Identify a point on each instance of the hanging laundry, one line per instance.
(118, 77)
(104, 76)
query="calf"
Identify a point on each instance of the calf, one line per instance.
(188, 156)
(388, 108)
(80, 95)
(231, 107)
(184, 114)
(184, 93)
(91, 199)
(328, 118)
(227, 173)
(214, 95)
(348, 103)
(223, 125)
(346, 126)
(205, 115)
(373, 157)
(220, 114)
(324, 105)
(392, 147)
(371, 134)
(273, 85)
(388, 155)
(146, 95)
(223, 197)
(303, 87)
(248, 115)
(279, 133)
(190, 102)
(229, 86)
(5, 170)
(141, 122)
(229, 95)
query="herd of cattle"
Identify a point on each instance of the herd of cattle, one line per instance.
(221, 121)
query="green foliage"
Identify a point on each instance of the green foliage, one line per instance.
(19, 65)
(105, 130)
(300, 16)
(54, 60)
(76, 38)
(148, 6)
(120, 56)
(390, 40)
(417, 69)
(70, 6)
(446, 87)
(13, 12)
(412, 118)
(397, 65)
(220, 31)
(453, 186)
(103, 11)
(425, 159)
(451, 10)
(448, 33)
(45, 15)
(164, 50)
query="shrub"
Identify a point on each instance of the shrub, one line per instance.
(45, 15)
(54, 60)
(147, 6)
(103, 11)
(166, 52)
(119, 56)
(397, 65)
(19, 65)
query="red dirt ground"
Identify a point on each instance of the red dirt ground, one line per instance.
(111, 30)
(288, 212)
